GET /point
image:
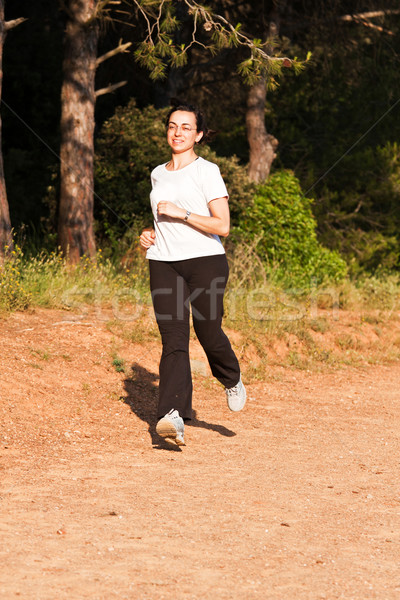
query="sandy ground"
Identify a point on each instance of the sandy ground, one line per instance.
(296, 497)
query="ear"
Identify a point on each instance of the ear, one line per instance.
(199, 137)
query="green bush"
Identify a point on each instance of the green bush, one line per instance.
(282, 228)
(129, 146)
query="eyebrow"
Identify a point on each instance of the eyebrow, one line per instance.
(173, 122)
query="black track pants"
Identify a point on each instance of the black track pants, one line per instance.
(175, 286)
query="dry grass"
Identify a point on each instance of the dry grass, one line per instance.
(311, 327)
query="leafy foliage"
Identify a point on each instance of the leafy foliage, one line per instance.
(129, 146)
(281, 223)
(210, 30)
(361, 218)
(338, 129)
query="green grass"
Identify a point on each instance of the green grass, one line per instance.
(42, 354)
(119, 364)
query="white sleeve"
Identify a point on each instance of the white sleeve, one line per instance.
(213, 184)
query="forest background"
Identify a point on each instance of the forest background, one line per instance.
(310, 152)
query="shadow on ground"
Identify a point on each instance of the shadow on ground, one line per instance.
(142, 398)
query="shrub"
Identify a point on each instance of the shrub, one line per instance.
(127, 149)
(281, 224)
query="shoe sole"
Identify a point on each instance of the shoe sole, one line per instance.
(236, 409)
(166, 430)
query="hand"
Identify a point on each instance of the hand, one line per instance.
(147, 238)
(169, 209)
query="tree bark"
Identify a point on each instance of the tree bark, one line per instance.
(5, 223)
(75, 225)
(262, 145)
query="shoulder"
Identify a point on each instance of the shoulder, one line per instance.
(158, 170)
(207, 168)
(206, 164)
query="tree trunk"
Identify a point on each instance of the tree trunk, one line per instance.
(261, 144)
(5, 223)
(75, 225)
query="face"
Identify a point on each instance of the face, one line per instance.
(182, 131)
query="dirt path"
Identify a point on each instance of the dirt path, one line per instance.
(297, 497)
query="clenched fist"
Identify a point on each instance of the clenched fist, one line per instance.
(147, 238)
(169, 209)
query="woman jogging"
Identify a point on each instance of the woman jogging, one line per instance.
(188, 267)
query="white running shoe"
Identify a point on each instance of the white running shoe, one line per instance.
(236, 396)
(171, 428)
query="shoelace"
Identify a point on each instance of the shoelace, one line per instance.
(233, 391)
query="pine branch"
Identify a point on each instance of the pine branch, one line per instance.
(221, 26)
(102, 8)
(363, 19)
(14, 23)
(158, 49)
(146, 18)
(109, 89)
(369, 15)
(118, 50)
(373, 26)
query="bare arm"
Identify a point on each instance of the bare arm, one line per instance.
(218, 223)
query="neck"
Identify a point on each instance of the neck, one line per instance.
(179, 161)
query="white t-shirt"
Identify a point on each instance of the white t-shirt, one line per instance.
(191, 188)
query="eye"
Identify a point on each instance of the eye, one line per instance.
(186, 128)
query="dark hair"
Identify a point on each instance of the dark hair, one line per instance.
(201, 124)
